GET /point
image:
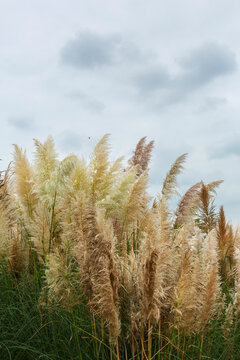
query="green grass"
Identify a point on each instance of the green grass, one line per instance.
(55, 333)
(26, 333)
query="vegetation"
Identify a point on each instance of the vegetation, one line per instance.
(93, 268)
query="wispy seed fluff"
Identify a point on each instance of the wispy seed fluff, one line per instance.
(102, 269)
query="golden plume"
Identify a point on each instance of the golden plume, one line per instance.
(24, 181)
(141, 156)
(170, 182)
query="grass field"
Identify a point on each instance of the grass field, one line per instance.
(93, 268)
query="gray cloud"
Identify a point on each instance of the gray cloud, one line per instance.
(154, 79)
(204, 64)
(90, 50)
(224, 150)
(21, 123)
(130, 53)
(211, 59)
(199, 68)
(87, 101)
(212, 103)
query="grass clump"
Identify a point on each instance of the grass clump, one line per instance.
(91, 269)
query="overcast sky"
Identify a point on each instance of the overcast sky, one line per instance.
(168, 70)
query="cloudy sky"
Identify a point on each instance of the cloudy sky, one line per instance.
(168, 70)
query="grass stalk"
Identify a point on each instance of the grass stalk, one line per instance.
(201, 347)
(51, 230)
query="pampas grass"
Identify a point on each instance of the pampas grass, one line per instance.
(86, 235)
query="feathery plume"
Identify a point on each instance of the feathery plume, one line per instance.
(192, 201)
(61, 280)
(11, 244)
(141, 156)
(98, 166)
(39, 228)
(54, 188)
(211, 187)
(146, 156)
(236, 302)
(184, 285)
(222, 230)
(211, 280)
(112, 178)
(7, 213)
(17, 256)
(151, 277)
(24, 181)
(135, 205)
(170, 182)
(228, 323)
(187, 205)
(137, 154)
(190, 288)
(102, 271)
(114, 201)
(45, 159)
(225, 239)
(80, 178)
(207, 217)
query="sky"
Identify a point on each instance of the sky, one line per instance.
(168, 70)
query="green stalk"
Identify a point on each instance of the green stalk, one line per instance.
(76, 334)
(52, 219)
